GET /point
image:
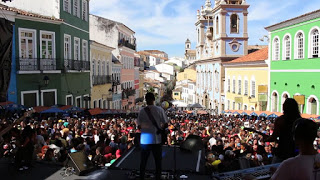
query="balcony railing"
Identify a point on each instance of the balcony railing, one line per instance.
(128, 92)
(78, 65)
(36, 64)
(126, 43)
(101, 79)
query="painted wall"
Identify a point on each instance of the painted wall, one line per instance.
(259, 74)
(187, 74)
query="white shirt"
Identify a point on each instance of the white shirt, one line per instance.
(299, 167)
(148, 130)
(212, 141)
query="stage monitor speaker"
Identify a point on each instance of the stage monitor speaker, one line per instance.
(80, 162)
(192, 143)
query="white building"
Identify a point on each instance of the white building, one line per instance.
(178, 61)
(154, 75)
(165, 68)
(154, 60)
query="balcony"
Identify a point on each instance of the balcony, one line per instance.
(128, 92)
(36, 64)
(77, 65)
(126, 43)
(101, 79)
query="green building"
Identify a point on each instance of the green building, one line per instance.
(51, 52)
(295, 63)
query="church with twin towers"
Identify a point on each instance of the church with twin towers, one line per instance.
(222, 35)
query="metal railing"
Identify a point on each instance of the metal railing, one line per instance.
(125, 43)
(78, 65)
(101, 79)
(36, 64)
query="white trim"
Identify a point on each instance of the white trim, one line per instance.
(53, 43)
(245, 105)
(274, 91)
(284, 47)
(273, 48)
(308, 105)
(78, 97)
(49, 90)
(30, 92)
(310, 42)
(52, 72)
(74, 48)
(296, 70)
(28, 72)
(67, 96)
(78, 10)
(268, 70)
(34, 39)
(85, 41)
(70, 46)
(296, 45)
(36, 19)
(88, 103)
(282, 99)
(99, 103)
(76, 27)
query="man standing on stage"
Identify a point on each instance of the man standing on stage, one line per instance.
(149, 120)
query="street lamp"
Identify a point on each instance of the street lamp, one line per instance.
(46, 80)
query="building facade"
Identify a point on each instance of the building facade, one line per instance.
(101, 75)
(51, 53)
(221, 36)
(294, 62)
(247, 82)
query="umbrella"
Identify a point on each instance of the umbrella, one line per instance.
(236, 113)
(263, 115)
(14, 107)
(223, 112)
(253, 114)
(53, 110)
(244, 113)
(95, 111)
(39, 109)
(273, 115)
(71, 109)
(318, 117)
(108, 112)
(196, 105)
(5, 103)
(202, 112)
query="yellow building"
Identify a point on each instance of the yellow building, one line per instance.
(176, 94)
(246, 82)
(187, 74)
(101, 71)
(141, 85)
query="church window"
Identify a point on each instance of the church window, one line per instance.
(217, 25)
(234, 23)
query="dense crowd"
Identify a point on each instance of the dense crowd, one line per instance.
(228, 145)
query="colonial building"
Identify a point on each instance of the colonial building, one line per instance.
(120, 37)
(221, 36)
(101, 75)
(247, 82)
(189, 54)
(50, 53)
(294, 62)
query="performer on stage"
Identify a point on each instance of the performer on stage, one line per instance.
(150, 119)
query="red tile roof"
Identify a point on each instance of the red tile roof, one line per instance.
(259, 55)
(26, 13)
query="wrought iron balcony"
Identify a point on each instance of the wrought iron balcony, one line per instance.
(78, 65)
(126, 43)
(101, 79)
(36, 64)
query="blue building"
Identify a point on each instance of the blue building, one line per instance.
(222, 35)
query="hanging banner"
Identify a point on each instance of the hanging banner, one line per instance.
(262, 89)
(300, 99)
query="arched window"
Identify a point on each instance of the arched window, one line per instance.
(276, 49)
(299, 46)
(253, 87)
(103, 68)
(229, 84)
(234, 85)
(274, 99)
(245, 107)
(217, 25)
(286, 48)
(234, 23)
(98, 68)
(313, 105)
(246, 84)
(314, 43)
(198, 36)
(284, 96)
(93, 68)
(239, 86)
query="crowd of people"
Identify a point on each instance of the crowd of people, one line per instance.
(227, 141)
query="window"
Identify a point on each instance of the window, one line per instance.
(246, 87)
(274, 104)
(84, 50)
(217, 25)
(48, 97)
(69, 100)
(229, 83)
(67, 6)
(276, 49)
(286, 48)
(239, 86)
(84, 10)
(228, 104)
(76, 48)
(98, 68)
(233, 105)
(27, 43)
(234, 85)
(47, 45)
(234, 23)
(30, 98)
(299, 46)
(78, 101)
(67, 46)
(103, 68)
(315, 43)
(253, 88)
(76, 8)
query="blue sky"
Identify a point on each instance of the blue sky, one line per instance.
(166, 24)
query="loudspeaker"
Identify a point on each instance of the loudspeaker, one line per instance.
(192, 143)
(80, 162)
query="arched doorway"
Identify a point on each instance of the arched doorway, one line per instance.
(284, 96)
(206, 102)
(312, 105)
(274, 102)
